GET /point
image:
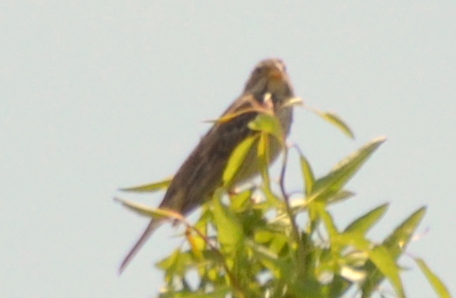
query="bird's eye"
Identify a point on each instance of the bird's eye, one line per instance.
(257, 71)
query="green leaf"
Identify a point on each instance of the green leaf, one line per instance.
(334, 120)
(169, 264)
(269, 124)
(328, 220)
(231, 116)
(269, 259)
(237, 159)
(379, 256)
(294, 101)
(364, 223)
(240, 201)
(399, 239)
(263, 157)
(152, 187)
(175, 264)
(309, 178)
(436, 283)
(145, 210)
(384, 262)
(340, 196)
(333, 182)
(356, 240)
(229, 228)
(395, 244)
(263, 236)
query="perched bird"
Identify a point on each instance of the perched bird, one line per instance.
(201, 174)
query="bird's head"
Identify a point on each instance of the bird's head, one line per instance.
(269, 76)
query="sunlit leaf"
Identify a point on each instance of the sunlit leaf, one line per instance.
(379, 256)
(231, 116)
(364, 223)
(240, 201)
(263, 157)
(327, 219)
(269, 124)
(229, 228)
(439, 288)
(395, 244)
(334, 181)
(340, 196)
(294, 101)
(278, 267)
(148, 211)
(176, 264)
(356, 240)
(263, 236)
(383, 260)
(278, 242)
(237, 159)
(307, 173)
(334, 120)
(197, 244)
(252, 106)
(152, 187)
(401, 236)
(352, 274)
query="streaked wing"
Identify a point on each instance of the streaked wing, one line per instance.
(202, 172)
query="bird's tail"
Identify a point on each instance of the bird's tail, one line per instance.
(154, 223)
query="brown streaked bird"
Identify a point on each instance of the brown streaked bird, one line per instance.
(201, 174)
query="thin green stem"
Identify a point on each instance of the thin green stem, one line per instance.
(295, 230)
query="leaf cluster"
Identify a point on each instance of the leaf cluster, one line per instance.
(251, 244)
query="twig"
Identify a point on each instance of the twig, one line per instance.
(296, 235)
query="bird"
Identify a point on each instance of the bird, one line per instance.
(202, 172)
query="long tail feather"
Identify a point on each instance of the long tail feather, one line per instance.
(140, 243)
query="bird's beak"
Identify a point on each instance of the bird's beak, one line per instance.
(276, 74)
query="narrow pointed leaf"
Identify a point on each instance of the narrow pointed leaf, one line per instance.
(356, 240)
(294, 101)
(263, 157)
(231, 116)
(384, 262)
(237, 159)
(334, 120)
(399, 239)
(307, 172)
(145, 210)
(340, 196)
(334, 181)
(328, 220)
(439, 288)
(396, 244)
(364, 223)
(240, 200)
(152, 187)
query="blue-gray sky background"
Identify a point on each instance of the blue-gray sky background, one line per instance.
(97, 95)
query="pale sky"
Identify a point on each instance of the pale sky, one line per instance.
(98, 95)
